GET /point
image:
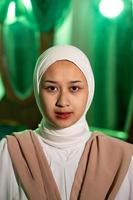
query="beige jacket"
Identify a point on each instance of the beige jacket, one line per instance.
(101, 170)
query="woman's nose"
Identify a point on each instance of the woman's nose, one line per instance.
(62, 100)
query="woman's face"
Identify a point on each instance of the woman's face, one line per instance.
(63, 93)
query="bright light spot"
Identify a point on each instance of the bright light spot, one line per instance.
(11, 12)
(27, 4)
(111, 8)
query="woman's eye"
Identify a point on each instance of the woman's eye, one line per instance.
(74, 88)
(52, 88)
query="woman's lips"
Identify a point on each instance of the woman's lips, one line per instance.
(63, 115)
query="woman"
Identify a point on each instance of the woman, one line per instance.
(62, 159)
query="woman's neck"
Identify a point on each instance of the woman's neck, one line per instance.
(67, 137)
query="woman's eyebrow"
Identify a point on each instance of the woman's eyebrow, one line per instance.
(49, 81)
(55, 82)
(76, 81)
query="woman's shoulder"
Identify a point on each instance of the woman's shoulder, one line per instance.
(4, 154)
(112, 142)
(3, 145)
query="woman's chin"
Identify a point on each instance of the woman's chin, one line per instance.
(62, 124)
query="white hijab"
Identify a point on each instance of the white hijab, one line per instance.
(78, 132)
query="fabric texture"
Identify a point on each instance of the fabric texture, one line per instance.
(96, 171)
(36, 182)
(65, 138)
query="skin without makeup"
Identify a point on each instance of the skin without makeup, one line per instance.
(63, 93)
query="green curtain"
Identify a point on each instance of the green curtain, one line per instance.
(50, 13)
(129, 118)
(20, 36)
(108, 44)
(2, 89)
(21, 23)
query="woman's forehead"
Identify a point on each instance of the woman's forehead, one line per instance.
(64, 69)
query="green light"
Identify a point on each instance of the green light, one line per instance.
(111, 8)
(2, 90)
(11, 12)
(64, 30)
(27, 4)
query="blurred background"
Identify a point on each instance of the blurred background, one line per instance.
(103, 29)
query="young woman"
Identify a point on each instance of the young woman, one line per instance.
(62, 159)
